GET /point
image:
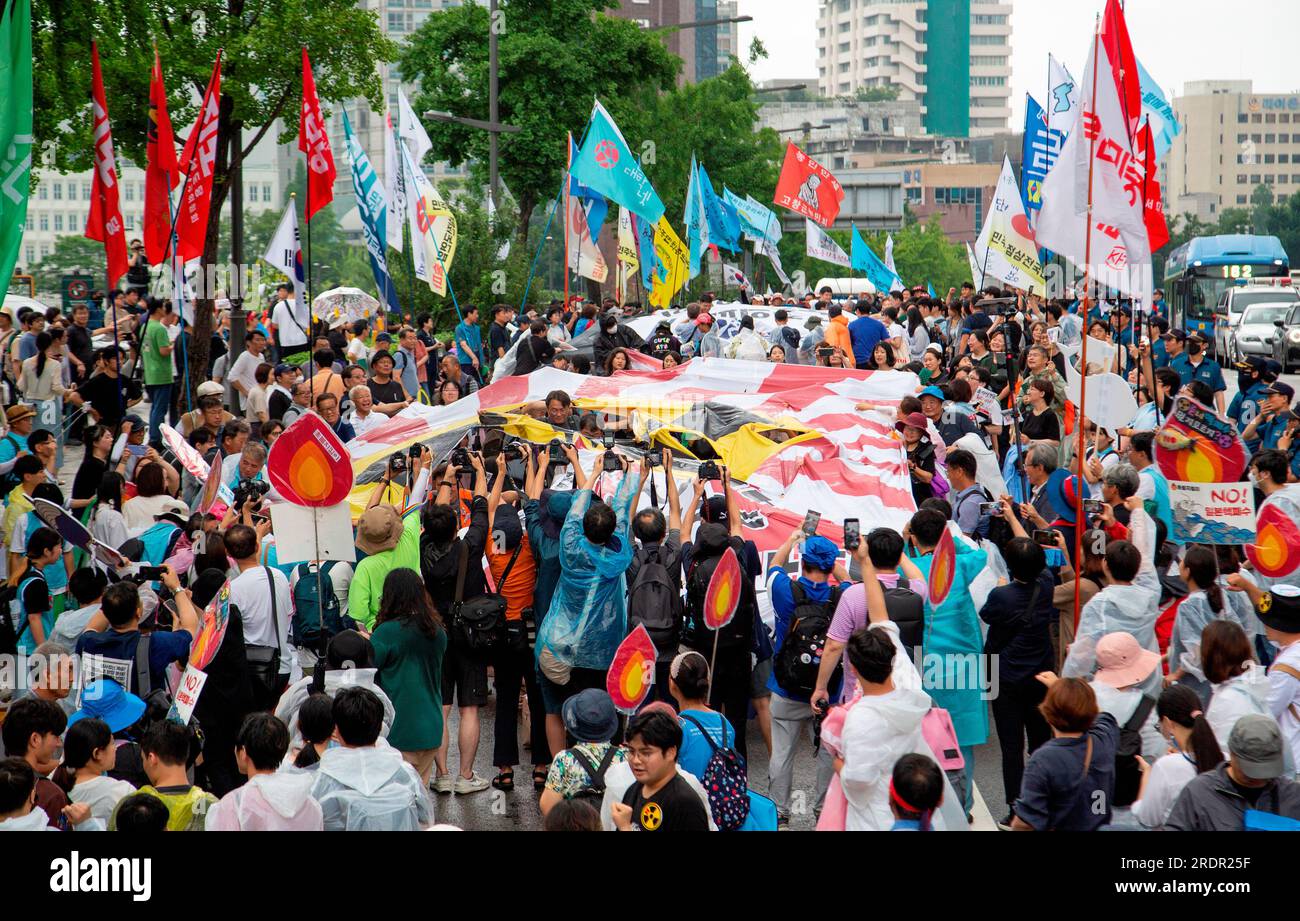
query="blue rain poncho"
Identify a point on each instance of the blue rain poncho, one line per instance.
(587, 618)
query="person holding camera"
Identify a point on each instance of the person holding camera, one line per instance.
(452, 567)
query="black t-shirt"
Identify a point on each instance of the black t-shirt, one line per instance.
(1042, 426)
(102, 395)
(534, 352)
(498, 340)
(88, 478)
(79, 344)
(675, 807)
(923, 457)
(387, 393)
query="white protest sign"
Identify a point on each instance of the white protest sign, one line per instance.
(187, 695)
(1212, 513)
(297, 529)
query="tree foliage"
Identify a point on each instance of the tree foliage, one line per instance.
(261, 77)
(555, 55)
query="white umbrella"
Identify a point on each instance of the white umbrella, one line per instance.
(16, 302)
(343, 303)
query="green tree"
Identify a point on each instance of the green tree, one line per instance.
(876, 94)
(261, 78)
(554, 56)
(71, 255)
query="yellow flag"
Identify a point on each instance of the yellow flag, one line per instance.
(676, 261)
(627, 240)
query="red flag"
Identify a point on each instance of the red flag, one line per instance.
(1114, 36)
(1154, 206)
(808, 188)
(198, 163)
(314, 141)
(104, 223)
(161, 173)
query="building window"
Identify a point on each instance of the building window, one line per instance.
(844, 67)
(45, 250)
(983, 19)
(44, 220)
(1242, 119)
(1270, 119)
(58, 191)
(1257, 138)
(130, 191)
(85, 191)
(1270, 139)
(1268, 158)
(1241, 138)
(844, 27)
(130, 222)
(844, 47)
(1254, 179)
(58, 222)
(1282, 180)
(396, 21)
(266, 192)
(1285, 118)
(1211, 207)
(1284, 139)
(1241, 199)
(1268, 179)
(988, 40)
(988, 60)
(31, 255)
(31, 221)
(42, 192)
(870, 42)
(988, 81)
(1241, 179)
(1283, 158)
(1256, 119)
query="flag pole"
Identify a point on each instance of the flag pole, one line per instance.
(564, 194)
(532, 269)
(1083, 355)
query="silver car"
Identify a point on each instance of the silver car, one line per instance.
(1255, 331)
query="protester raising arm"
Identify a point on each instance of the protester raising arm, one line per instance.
(688, 519)
(187, 617)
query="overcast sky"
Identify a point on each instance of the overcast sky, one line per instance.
(1176, 40)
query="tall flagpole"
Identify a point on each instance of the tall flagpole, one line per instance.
(564, 194)
(1083, 355)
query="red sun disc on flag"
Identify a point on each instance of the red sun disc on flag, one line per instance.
(606, 154)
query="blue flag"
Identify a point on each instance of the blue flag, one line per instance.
(724, 227)
(606, 165)
(1041, 148)
(695, 234)
(863, 259)
(646, 255)
(595, 204)
(1156, 107)
(929, 289)
(373, 209)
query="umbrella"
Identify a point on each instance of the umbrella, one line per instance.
(345, 303)
(16, 302)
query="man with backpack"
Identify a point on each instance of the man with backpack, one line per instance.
(654, 577)
(320, 610)
(804, 608)
(659, 800)
(731, 674)
(114, 633)
(967, 494)
(579, 772)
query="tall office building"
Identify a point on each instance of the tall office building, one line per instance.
(951, 56)
(705, 51)
(1233, 140)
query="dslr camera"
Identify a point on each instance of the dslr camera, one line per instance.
(247, 489)
(397, 462)
(709, 470)
(460, 458)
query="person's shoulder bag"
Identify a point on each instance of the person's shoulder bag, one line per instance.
(264, 661)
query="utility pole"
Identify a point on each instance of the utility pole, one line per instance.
(493, 182)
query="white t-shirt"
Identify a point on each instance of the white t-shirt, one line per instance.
(1284, 695)
(252, 593)
(138, 513)
(101, 794)
(1169, 775)
(245, 370)
(258, 402)
(290, 323)
(108, 526)
(371, 420)
(358, 351)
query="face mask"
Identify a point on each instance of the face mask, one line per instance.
(1244, 381)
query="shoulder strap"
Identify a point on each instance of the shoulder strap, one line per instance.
(143, 680)
(460, 572)
(1285, 669)
(704, 732)
(596, 775)
(797, 592)
(1140, 714)
(275, 613)
(510, 565)
(1087, 761)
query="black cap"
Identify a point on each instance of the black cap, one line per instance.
(1280, 609)
(1175, 334)
(1197, 336)
(1281, 389)
(1252, 363)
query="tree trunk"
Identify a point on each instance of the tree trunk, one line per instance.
(527, 204)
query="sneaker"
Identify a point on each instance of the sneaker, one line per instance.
(1005, 824)
(443, 783)
(470, 784)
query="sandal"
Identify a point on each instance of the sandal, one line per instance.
(505, 780)
(539, 777)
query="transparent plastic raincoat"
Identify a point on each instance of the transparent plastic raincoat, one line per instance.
(588, 614)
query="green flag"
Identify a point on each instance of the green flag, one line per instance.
(15, 128)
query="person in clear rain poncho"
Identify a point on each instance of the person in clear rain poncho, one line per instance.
(1129, 602)
(587, 618)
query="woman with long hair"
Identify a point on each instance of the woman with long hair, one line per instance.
(882, 357)
(98, 440)
(42, 374)
(410, 642)
(617, 360)
(1193, 750)
(918, 335)
(1203, 605)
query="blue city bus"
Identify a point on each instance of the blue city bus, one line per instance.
(1198, 272)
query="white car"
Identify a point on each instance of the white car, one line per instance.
(1254, 332)
(1233, 302)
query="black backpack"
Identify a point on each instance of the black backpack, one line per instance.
(800, 656)
(654, 600)
(711, 540)
(1128, 777)
(907, 610)
(595, 789)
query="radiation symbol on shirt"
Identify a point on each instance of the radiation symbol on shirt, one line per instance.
(651, 816)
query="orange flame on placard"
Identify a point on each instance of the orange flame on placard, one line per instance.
(632, 671)
(1276, 551)
(943, 569)
(723, 594)
(309, 472)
